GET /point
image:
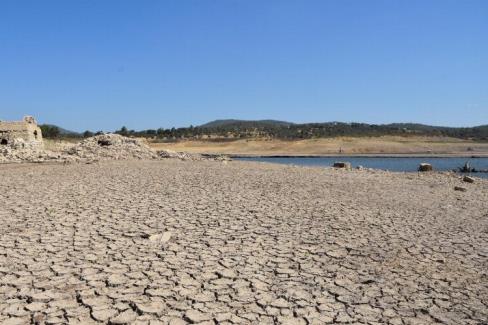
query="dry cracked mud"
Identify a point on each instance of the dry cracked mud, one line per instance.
(172, 242)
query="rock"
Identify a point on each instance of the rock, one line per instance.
(111, 147)
(161, 238)
(342, 164)
(459, 188)
(100, 147)
(191, 156)
(425, 167)
(468, 179)
(165, 237)
(179, 155)
(94, 149)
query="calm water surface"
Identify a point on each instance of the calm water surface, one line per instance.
(398, 164)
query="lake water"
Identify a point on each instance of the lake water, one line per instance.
(400, 164)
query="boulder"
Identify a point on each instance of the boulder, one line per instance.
(342, 164)
(425, 167)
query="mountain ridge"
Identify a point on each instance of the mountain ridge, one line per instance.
(226, 122)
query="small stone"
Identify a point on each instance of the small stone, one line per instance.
(161, 238)
(468, 179)
(459, 188)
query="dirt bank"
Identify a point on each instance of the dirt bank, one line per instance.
(408, 146)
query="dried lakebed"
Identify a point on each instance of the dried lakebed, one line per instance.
(158, 242)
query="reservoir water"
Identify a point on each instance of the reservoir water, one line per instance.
(398, 164)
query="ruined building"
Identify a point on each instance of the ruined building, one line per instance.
(20, 134)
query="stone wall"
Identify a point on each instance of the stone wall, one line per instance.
(22, 134)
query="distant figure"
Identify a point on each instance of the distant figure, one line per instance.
(467, 168)
(340, 149)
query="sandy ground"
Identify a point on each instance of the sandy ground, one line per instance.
(387, 145)
(175, 242)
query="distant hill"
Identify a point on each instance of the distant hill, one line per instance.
(287, 130)
(240, 123)
(232, 129)
(52, 131)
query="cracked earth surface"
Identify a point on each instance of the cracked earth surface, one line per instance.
(171, 242)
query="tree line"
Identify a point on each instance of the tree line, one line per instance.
(249, 129)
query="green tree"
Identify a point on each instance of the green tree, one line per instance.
(123, 131)
(50, 131)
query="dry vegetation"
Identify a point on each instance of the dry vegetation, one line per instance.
(332, 146)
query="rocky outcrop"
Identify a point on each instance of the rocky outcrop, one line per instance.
(111, 147)
(100, 147)
(15, 154)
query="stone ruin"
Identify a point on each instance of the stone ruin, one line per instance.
(21, 134)
(21, 141)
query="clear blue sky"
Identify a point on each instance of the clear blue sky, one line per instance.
(147, 64)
